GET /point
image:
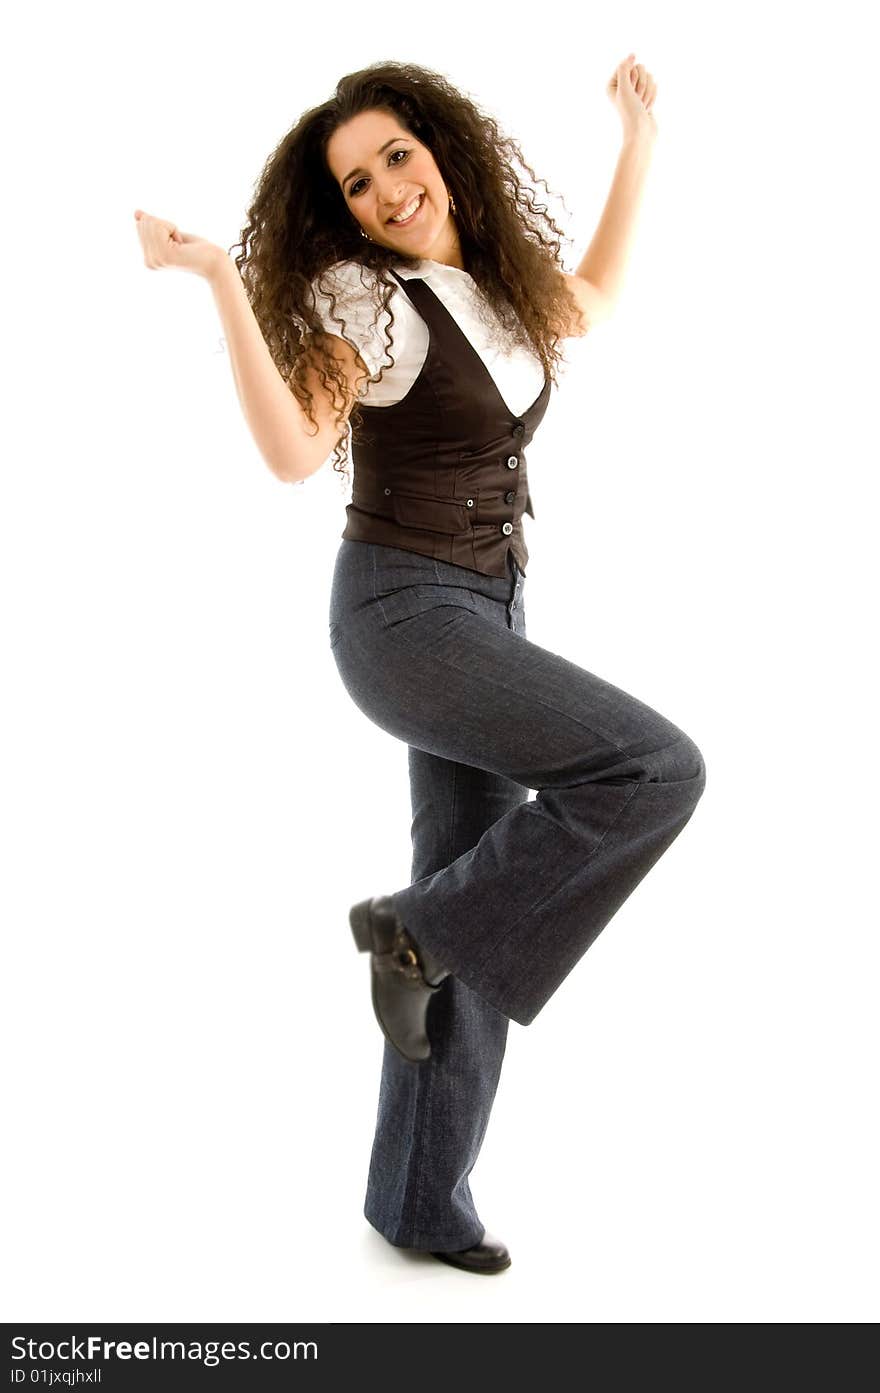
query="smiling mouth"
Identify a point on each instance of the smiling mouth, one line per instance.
(411, 218)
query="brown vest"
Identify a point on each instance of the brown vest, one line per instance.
(443, 472)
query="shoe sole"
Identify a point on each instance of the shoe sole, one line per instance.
(465, 1267)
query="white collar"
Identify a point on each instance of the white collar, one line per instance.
(426, 268)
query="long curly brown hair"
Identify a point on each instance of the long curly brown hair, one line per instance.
(299, 227)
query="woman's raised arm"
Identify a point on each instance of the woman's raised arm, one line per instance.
(284, 436)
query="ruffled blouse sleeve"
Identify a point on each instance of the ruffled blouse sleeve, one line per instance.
(351, 317)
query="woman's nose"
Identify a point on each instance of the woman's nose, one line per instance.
(389, 199)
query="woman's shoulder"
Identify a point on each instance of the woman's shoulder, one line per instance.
(348, 277)
(356, 288)
(347, 281)
(347, 304)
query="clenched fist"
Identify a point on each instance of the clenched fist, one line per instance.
(164, 245)
(632, 89)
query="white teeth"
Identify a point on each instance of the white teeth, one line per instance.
(408, 210)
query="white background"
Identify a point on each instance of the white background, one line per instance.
(191, 802)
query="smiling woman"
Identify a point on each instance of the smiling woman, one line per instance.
(400, 285)
(400, 178)
(413, 244)
(393, 133)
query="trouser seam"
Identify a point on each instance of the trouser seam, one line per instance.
(450, 855)
(422, 1111)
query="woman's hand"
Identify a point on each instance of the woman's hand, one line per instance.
(164, 245)
(632, 89)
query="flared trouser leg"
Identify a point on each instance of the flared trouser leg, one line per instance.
(432, 1116)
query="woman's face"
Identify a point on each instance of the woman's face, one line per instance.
(381, 170)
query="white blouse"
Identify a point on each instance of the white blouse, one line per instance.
(516, 370)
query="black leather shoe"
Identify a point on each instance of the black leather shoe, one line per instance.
(404, 976)
(489, 1255)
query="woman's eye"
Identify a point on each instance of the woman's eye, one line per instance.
(354, 188)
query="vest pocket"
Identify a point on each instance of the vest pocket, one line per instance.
(429, 514)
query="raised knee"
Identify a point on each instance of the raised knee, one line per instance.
(680, 762)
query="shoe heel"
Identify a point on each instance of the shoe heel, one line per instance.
(359, 918)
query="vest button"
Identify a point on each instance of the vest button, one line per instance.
(507, 528)
(512, 462)
(510, 496)
(387, 490)
(470, 502)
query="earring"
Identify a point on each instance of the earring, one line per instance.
(452, 207)
(366, 234)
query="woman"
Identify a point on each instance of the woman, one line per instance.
(397, 278)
